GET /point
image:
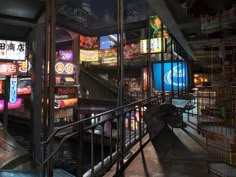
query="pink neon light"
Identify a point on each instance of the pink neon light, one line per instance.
(15, 105)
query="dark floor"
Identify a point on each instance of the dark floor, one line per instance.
(170, 154)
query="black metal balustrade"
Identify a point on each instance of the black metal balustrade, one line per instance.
(216, 119)
(119, 129)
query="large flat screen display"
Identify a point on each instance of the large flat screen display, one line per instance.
(176, 75)
(109, 41)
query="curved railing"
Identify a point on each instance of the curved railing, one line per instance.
(118, 129)
(218, 124)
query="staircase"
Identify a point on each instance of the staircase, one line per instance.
(221, 155)
(127, 98)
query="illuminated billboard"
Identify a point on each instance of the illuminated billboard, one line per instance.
(89, 55)
(132, 51)
(87, 42)
(155, 45)
(177, 76)
(12, 50)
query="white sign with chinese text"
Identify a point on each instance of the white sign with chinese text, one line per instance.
(13, 89)
(12, 50)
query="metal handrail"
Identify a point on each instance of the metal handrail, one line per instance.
(118, 114)
(58, 129)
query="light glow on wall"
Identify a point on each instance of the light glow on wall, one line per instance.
(15, 105)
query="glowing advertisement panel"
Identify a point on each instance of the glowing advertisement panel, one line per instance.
(15, 105)
(180, 76)
(65, 103)
(155, 45)
(89, 55)
(65, 55)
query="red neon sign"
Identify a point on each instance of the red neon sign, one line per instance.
(8, 69)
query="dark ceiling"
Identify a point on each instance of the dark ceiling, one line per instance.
(90, 17)
(17, 17)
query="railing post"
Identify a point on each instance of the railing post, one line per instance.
(43, 164)
(79, 128)
(140, 126)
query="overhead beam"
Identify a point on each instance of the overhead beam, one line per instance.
(214, 40)
(17, 21)
(187, 25)
(161, 9)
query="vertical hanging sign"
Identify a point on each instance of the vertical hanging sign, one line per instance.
(13, 89)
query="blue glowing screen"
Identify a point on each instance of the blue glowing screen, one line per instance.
(180, 76)
(109, 41)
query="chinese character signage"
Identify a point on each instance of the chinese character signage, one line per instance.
(8, 69)
(13, 89)
(12, 50)
(24, 66)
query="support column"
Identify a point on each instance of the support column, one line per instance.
(162, 64)
(36, 95)
(6, 99)
(120, 58)
(50, 57)
(149, 69)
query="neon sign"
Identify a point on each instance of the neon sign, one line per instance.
(65, 91)
(13, 89)
(8, 69)
(65, 55)
(24, 66)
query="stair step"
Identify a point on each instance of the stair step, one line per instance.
(21, 173)
(222, 169)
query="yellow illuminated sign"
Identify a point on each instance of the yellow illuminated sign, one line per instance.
(155, 45)
(89, 55)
